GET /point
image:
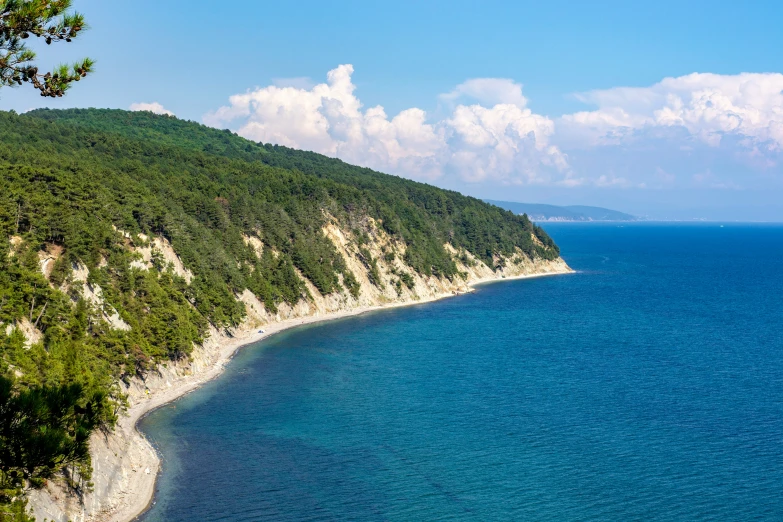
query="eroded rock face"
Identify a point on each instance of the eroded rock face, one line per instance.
(124, 463)
(255, 243)
(93, 294)
(160, 246)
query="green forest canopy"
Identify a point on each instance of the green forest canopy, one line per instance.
(77, 178)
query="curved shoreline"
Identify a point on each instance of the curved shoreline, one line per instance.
(226, 354)
(135, 497)
(270, 331)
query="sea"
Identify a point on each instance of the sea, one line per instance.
(648, 385)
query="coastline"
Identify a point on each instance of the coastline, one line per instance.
(137, 452)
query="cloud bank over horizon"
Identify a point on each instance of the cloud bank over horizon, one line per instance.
(699, 130)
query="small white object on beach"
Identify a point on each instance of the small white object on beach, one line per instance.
(147, 471)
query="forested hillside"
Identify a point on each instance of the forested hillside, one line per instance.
(82, 192)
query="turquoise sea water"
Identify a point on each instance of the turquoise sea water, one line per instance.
(647, 386)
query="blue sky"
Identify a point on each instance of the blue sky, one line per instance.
(506, 100)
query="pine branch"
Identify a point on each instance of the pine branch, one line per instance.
(46, 19)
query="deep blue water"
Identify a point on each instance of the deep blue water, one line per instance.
(647, 386)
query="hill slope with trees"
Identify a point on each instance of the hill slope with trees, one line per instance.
(84, 193)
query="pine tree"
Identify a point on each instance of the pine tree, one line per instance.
(50, 20)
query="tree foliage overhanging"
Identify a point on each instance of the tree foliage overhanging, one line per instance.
(49, 21)
(89, 183)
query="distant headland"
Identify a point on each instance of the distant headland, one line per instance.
(541, 212)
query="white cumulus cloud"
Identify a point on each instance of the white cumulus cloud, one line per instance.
(488, 90)
(657, 136)
(502, 140)
(155, 107)
(728, 125)
(747, 106)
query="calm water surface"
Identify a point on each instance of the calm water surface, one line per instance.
(647, 386)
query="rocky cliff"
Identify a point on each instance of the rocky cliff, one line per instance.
(125, 464)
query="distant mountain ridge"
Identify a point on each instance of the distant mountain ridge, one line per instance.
(542, 212)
